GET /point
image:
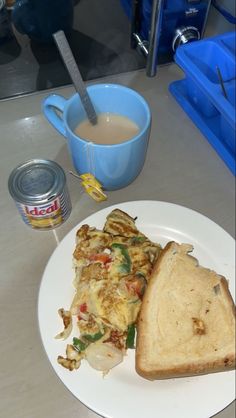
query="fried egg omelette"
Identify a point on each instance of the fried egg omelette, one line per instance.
(112, 268)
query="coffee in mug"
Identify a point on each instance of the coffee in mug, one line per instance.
(110, 128)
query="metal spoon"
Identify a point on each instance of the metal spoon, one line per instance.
(69, 61)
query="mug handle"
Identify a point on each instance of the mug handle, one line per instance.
(50, 105)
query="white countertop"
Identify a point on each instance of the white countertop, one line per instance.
(181, 167)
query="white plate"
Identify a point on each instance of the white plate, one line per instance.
(122, 393)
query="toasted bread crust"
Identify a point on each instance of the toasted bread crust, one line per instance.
(192, 369)
(195, 350)
(228, 294)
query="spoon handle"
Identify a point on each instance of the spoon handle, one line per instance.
(69, 61)
(221, 82)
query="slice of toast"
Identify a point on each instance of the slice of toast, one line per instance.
(187, 320)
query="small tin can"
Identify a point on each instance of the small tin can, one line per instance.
(39, 190)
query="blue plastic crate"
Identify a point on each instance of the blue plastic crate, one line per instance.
(200, 93)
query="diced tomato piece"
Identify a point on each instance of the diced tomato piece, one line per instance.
(83, 307)
(101, 258)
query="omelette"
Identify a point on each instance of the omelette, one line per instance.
(112, 268)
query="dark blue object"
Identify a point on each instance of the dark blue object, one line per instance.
(176, 14)
(200, 94)
(5, 26)
(39, 19)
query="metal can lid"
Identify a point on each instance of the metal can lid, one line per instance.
(36, 181)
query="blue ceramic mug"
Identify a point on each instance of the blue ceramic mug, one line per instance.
(116, 165)
(39, 19)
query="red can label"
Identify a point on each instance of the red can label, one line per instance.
(46, 216)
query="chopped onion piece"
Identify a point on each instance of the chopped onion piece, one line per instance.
(103, 356)
(67, 321)
(72, 353)
(68, 364)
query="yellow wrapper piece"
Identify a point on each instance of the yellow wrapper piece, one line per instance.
(92, 186)
(89, 179)
(95, 192)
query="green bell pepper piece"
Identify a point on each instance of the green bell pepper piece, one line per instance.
(93, 337)
(79, 344)
(124, 267)
(130, 336)
(137, 240)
